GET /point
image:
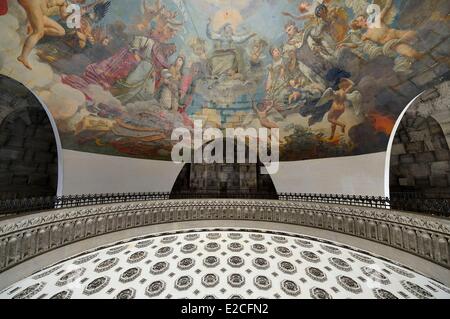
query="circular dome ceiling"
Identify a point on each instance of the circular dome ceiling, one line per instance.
(226, 264)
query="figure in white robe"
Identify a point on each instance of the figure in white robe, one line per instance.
(227, 58)
(140, 83)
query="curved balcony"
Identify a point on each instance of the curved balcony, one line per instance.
(29, 243)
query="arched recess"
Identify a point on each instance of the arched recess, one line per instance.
(419, 152)
(420, 160)
(387, 168)
(30, 147)
(224, 180)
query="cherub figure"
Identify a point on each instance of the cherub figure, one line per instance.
(157, 13)
(295, 90)
(86, 32)
(168, 17)
(38, 12)
(262, 111)
(391, 39)
(148, 14)
(340, 98)
(256, 53)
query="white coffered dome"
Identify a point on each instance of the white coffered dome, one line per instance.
(227, 264)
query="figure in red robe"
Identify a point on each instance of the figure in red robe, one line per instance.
(104, 73)
(3, 7)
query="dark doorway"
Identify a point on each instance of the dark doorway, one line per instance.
(224, 180)
(28, 151)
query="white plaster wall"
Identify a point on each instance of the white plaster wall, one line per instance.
(86, 173)
(358, 175)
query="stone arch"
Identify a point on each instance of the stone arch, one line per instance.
(436, 103)
(30, 149)
(419, 156)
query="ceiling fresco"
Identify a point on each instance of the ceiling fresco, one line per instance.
(333, 75)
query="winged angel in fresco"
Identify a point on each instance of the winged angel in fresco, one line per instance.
(91, 15)
(341, 98)
(376, 29)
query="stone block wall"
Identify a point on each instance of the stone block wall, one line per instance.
(28, 153)
(420, 160)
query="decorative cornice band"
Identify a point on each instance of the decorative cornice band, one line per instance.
(32, 235)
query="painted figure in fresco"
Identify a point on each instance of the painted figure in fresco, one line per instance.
(132, 74)
(200, 58)
(38, 12)
(86, 33)
(155, 18)
(340, 99)
(295, 90)
(226, 39)
(290, 53)
(104, 73)
(167, 17)
(227, 58)
(292, 68)
(3, 7)
(276, 79)
(165, 21)
(198, 68)
(330, 27)
(262, 111)
(256, 55)
(169, 95)
(149, 13)
(188, 83)
(365, 50)
(172, 81)
(295, 37)
(391, 39)
(324, 28)
(143, 82)
(176, 69)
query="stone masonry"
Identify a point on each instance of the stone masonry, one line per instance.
(28, 153)
(420, 159)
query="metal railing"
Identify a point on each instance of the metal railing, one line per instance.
(15, 206)
(399, 201)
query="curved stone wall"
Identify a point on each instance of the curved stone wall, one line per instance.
(28, 148)
(420, 157)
